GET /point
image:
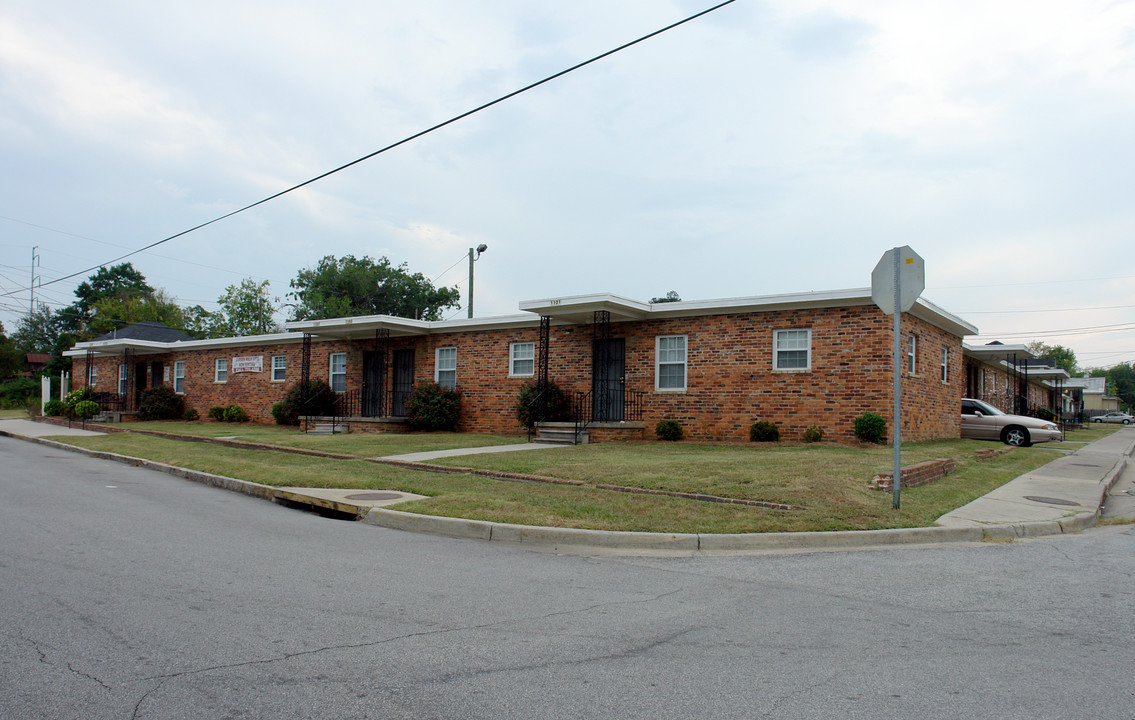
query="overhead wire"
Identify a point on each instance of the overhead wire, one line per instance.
(399, 143)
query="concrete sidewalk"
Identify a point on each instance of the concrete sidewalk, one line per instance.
(27, 428)
(1064, 495)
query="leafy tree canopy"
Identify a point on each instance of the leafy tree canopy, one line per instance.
(352, 286)
(38, 332)
(11, 359)
(1063, 357)
(246, 309)
(110, 313)
(120, 282)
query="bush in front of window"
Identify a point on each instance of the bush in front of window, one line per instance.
(315, 397)
(160, 403)
(764, 431)
(217, 413)
(552, 406)
(812, 434)
(871, 427)
(191, 414)
(432, 407)
(669, 430)
(235, 413)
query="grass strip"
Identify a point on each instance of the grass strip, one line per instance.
(830, 481)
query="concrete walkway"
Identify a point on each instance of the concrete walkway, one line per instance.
(27, 428)
(435, 454)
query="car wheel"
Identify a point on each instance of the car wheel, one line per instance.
(1097, 420)
(1126, 422)
(1016, 436)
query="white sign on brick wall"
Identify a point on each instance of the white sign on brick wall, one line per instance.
(248, 364)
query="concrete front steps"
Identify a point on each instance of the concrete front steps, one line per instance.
(560, 433)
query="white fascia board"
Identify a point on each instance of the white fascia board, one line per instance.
(993, 353)
(241, 341)
(108, 348)
(365, 325)
(573, 307)
(492, 322)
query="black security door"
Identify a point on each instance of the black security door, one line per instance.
(372, 384)
(403, 381)
(139, 382)
(608, 367)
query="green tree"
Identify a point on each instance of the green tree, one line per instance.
(11, 359)
(110, 313)
(363, 286)
(671, 296)
(120, 283)
(38, 332)
(1062, 356)
(247, 309)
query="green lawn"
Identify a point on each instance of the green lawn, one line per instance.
(13, 413)
(357, 444)
(829, 481)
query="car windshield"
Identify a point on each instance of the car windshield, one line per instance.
(986, 408)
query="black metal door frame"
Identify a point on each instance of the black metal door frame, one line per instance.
(608, 370)
(403, 381)
(372, 384)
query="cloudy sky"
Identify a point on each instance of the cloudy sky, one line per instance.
(771, 146)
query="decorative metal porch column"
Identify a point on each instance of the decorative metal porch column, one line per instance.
(381, 345)
(600, 365)
(305, 361)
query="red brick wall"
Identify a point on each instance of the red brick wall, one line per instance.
(730, 379)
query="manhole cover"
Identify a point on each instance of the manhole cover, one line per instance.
(1050, 501)
(374, 496)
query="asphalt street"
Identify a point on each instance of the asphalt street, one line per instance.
(126, 593)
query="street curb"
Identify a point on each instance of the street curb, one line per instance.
(678, 543)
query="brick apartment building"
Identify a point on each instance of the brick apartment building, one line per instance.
(817, 358)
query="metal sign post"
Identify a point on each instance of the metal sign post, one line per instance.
(897, 281)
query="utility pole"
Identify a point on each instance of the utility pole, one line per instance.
(31, 285)
(480, 249)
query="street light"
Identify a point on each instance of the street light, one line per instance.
(472, 258)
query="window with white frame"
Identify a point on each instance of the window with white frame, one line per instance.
(945, 364)
(121, 379)
(179, 377)
(670, 362)
(279, 368)
(912, 354)
(221, 370)
(445, 367)
(792, 350)
(521, 359)
(338, 379)
(93, 375)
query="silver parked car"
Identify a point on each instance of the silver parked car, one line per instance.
(982, 421)
(1113, 417)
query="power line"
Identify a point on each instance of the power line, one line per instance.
(415, 136)
(104, 242)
